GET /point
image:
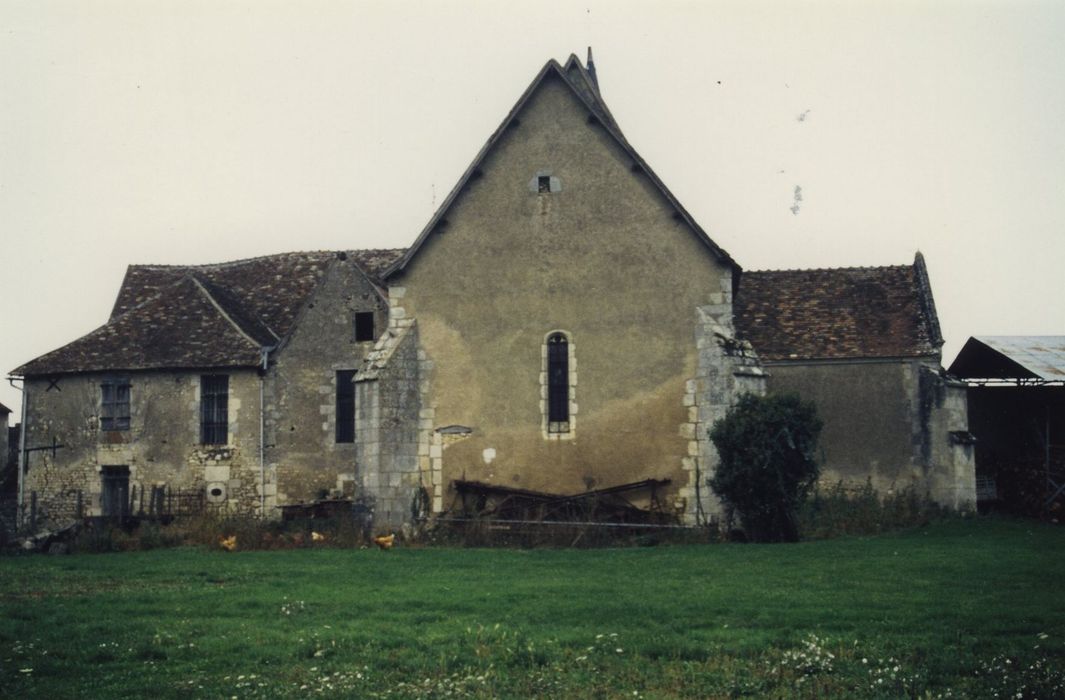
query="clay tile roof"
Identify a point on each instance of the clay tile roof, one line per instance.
(201, 316)
(843, 313)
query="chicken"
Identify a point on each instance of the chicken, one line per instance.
(228, 543)
(317, 537)
(385, 541)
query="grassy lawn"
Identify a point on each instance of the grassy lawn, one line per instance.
(970, 608)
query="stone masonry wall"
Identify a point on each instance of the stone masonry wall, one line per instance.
(727, 368)
(304, 461)
(161, 448)
(387, 434)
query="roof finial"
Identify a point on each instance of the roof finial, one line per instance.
(591, 69)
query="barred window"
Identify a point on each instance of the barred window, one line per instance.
(114, 404)
(214, 409)
(345, 413)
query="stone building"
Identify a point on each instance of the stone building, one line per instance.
(560, 325)
(221, 379)
(865, 345)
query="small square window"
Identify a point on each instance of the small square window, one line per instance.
(544, 184)
(364, 326)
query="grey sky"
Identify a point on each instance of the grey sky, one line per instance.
(806, 134)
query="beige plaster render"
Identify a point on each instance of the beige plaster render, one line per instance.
(605, 259)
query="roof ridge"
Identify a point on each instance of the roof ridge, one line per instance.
(248, 322)
(222, 310)
(201, 266)
(831, 269)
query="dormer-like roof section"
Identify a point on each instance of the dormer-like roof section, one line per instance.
(838, 314)
(203, 316)
(586, 88)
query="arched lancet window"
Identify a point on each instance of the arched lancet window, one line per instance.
(557, 384)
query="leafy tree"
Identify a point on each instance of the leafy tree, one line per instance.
(766, 445)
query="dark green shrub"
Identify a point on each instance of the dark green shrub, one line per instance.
(766, 445)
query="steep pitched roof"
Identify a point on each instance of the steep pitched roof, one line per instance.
(201, 316)
(843, 313)
(586, 88)
(4, 409)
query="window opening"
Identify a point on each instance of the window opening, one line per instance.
(345, 413)
(114, 491)
(544, 184)
(364, 327)
(114, 404)
(557, 384)
(214, 409)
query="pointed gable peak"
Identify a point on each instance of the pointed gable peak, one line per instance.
(585, 88)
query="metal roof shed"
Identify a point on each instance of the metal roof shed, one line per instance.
(1017, 412)
(1012, 359)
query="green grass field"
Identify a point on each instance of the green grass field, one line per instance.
(970, 608)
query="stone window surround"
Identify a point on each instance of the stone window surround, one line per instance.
(214, 409)
(536, 184)
(571, 432)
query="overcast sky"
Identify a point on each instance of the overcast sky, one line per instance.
(196, 132)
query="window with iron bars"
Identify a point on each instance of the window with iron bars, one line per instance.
(214, 409)
(114, 404)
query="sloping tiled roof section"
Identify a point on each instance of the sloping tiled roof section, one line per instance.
(4, 409)
(271, 288)
(586, 89)
(198, 316)
(844, 313)
(179, 327)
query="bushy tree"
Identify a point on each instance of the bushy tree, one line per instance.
(767, 446)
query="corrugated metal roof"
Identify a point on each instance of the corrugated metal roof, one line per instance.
(1029, 356)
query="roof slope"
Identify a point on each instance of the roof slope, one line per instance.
(271, 288)
(843, 313)
(585, 87)
(202, 316)
(1040, 357)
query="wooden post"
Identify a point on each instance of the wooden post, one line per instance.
(33, 511)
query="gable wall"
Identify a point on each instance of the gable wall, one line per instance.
(603, 260)
(302, 455)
